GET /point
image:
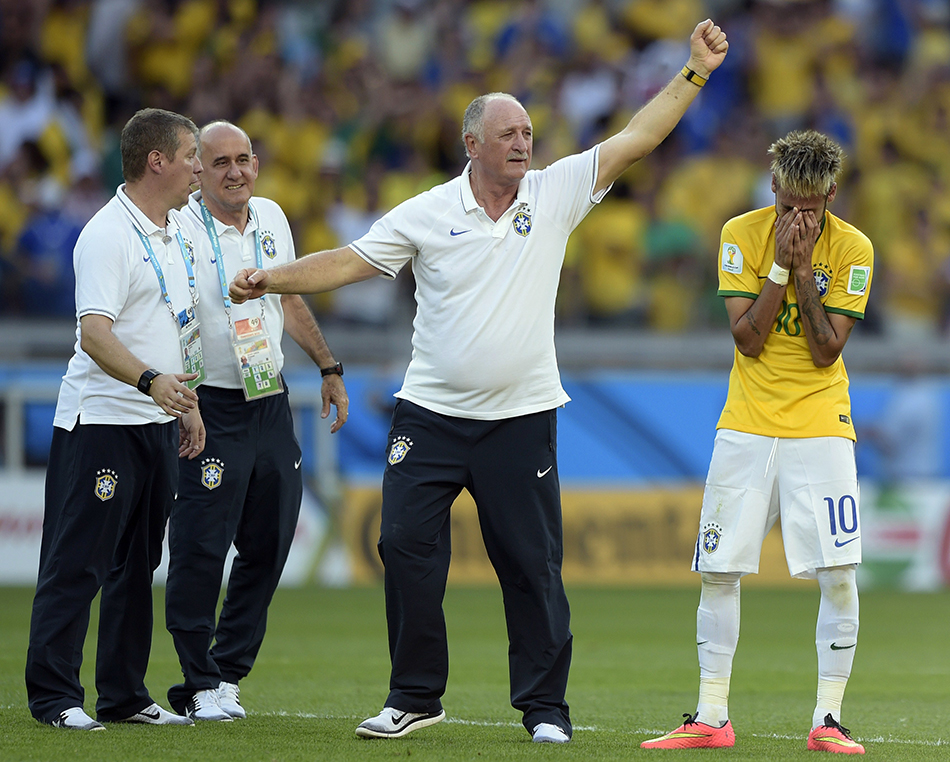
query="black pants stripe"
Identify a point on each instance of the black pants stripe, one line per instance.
(255, 506)
(510, 468)
(90, 543)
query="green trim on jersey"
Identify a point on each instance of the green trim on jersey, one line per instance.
(746, 294)
(849, 313)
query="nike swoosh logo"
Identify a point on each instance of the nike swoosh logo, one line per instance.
(839, 544)
(454, 232)
(397, 720)
(836, 647)
(542, 473)
(702, 642)
(153, 716)
(297, 464)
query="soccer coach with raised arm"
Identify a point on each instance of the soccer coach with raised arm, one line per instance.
(477, 409)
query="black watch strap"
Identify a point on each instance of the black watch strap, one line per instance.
(333, 370)
(145, 380)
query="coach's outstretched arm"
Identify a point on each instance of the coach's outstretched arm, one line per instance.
(312, 274)
(651, 124)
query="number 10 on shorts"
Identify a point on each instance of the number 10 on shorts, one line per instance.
(843, 516)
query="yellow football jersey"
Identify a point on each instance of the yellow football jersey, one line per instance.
(781, 393)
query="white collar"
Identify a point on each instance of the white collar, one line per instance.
(470, 204)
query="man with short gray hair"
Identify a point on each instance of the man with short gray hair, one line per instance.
(478, 406)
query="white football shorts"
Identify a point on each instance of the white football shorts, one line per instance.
(753, 480)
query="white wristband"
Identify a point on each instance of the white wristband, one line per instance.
(778, 275)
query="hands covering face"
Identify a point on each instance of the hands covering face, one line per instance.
(796, 233)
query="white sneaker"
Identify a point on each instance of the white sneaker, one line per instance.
(228, 700)
(393, 723)
(204, 706)
(75, 718)
(155, 715)
(545, 732)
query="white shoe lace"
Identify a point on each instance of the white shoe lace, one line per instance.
(206, 698)
(229, 692)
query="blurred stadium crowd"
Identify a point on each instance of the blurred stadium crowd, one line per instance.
(354, 105)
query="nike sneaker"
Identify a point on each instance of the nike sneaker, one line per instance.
(393, 723)
(155, 715)
(75, 718)
(545, 732)
(834, 738)
(228, 700)
(204, 706)
(694, 735)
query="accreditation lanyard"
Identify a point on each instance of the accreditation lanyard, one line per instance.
(252, 348)
(219, 258)
(181, 318)
(189, 330)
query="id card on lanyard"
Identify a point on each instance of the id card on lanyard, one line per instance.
(253, 350)
(189, 329)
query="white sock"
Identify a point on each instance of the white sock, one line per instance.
(717, 636)
(836, 636)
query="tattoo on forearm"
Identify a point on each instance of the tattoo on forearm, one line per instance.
(815, 316)
(751, 319)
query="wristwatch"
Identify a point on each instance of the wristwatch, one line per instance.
(145, 380)
(333, 370)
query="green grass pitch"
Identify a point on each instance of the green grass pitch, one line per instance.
(324, 668)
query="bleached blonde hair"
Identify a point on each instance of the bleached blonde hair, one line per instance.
(806, 163)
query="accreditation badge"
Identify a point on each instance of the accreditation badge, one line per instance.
(255, 358)
(189, 339)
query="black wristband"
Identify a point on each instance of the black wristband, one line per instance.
(145, 380)
(333, 370)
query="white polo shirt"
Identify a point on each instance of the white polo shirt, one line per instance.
(239, 251)
(483, 334)
(115, 278)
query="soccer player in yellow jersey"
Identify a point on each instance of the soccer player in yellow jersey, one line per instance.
(795, 279)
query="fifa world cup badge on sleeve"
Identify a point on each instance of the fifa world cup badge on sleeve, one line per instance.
(255, 357)
(731, 259)
(710, 537)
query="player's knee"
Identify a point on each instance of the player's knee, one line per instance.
(838, 585)
(714, 581)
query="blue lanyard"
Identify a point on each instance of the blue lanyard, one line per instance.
(161, 276)
(219, 258)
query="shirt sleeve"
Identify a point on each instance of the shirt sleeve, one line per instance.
(388, 244)
(738, 275)
(102, 275)
(851, 284)
(567, 188)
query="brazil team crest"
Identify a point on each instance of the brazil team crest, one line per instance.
(822, 279)
(399, 450)
(710, 537)
(212, 472)
(522, 223)
(268, 245)
(106, 482)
